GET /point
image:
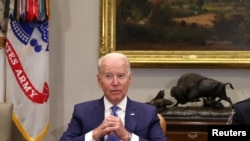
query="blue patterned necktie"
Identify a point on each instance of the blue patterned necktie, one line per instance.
(113, 137)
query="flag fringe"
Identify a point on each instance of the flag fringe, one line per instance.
(25, 133)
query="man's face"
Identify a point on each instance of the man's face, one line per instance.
(114, 79)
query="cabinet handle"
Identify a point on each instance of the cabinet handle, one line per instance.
(192, 135)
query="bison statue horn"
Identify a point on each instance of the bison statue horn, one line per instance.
(159, 101)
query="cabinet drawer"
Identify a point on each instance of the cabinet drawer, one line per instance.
(186, 136)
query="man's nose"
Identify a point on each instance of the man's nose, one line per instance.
(115, 80)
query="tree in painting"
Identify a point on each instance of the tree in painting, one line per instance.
(183, 24)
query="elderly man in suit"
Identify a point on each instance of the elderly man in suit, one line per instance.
(130, 121)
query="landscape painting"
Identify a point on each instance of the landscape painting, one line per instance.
(177, 33)
(183, 25)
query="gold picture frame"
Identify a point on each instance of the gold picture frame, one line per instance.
(165, 58)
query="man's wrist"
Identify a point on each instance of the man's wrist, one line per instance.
(129, 136)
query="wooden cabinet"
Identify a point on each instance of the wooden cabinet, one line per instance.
(190, 123)
(190, 129)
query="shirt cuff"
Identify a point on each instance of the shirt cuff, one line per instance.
(88, 136)
(134, 137)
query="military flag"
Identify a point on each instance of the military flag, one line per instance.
(27, 66)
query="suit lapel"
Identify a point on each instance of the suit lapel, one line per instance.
(97, 113)
(131, 116)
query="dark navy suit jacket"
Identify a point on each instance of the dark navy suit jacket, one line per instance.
(140, 119)
(242, 112)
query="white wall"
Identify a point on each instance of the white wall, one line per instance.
(74, 43)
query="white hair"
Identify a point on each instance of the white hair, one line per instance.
(114, 55)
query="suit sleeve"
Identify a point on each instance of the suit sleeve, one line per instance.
(74, 130)
(153, 129)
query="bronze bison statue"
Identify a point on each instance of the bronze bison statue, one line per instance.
(192, 87)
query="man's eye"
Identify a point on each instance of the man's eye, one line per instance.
(108, 75)
(121, 75)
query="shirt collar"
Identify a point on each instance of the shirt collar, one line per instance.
(121, 105)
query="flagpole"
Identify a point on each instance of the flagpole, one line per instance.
(3, 31)
(2, 75)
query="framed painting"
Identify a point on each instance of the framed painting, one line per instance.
(177, 34)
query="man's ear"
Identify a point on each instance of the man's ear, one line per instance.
(98, 78)
(130, 78)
